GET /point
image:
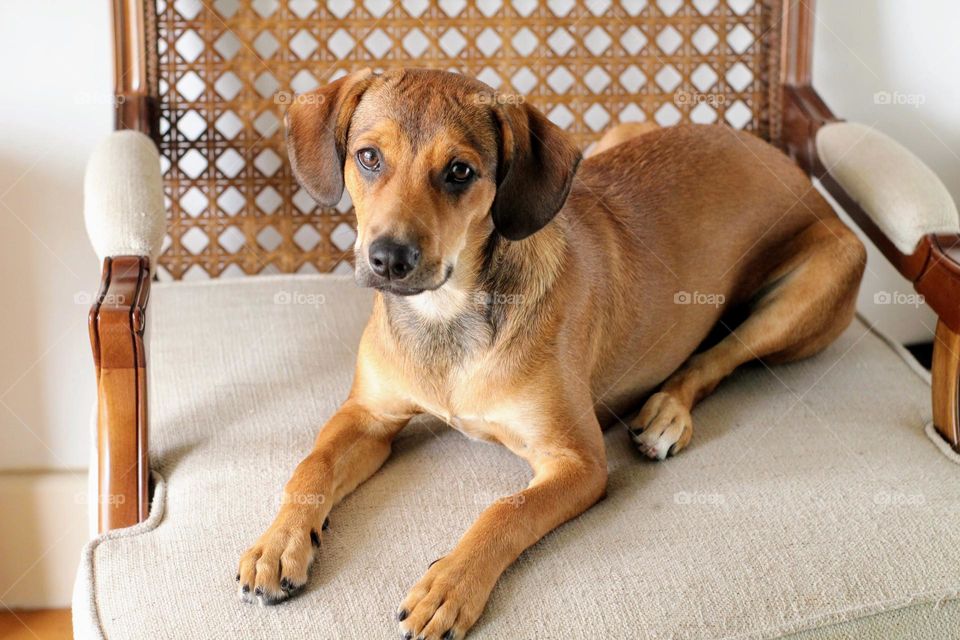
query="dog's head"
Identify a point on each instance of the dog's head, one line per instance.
(434, 162)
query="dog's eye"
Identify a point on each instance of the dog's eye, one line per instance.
(369, 159)
(460, 172)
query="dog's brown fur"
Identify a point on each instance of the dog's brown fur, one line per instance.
(536, 343)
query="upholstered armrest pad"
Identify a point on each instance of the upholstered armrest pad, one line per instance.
(123, 197)
(894, 187)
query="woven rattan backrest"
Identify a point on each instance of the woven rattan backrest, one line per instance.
(223, 71)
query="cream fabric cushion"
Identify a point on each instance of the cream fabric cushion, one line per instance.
(123, 196)
(810, 500)
(894, 187)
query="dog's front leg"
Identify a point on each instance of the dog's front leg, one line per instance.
(348, 450)
(452, 594)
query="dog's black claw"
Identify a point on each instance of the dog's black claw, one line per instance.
(402, 615)
(449, 635)
(285, 584)
(314, 537)
(246, 588)
(326, 524)
(238, 577)
(407, 636)
(435, 561)
(258, 591)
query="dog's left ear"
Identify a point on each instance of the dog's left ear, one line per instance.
(317, 124)
(536, 166)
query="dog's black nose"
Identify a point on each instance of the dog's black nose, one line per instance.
(393, 260)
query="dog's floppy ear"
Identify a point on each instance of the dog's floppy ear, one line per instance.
(317, 124)
(536, 166)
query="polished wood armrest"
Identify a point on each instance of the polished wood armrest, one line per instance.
(116, 321)
(933, 267)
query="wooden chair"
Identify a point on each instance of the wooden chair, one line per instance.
(206, 84)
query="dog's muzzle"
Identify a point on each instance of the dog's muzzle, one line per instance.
(397, 267)
(393, 260)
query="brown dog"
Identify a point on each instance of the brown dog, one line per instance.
(528, 301)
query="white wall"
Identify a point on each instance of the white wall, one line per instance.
(910, 51)
(55, 105)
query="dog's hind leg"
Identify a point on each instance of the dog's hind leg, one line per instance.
(804, 304)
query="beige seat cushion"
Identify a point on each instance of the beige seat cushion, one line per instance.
(809, 502)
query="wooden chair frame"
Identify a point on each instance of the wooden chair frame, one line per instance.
(117, 316)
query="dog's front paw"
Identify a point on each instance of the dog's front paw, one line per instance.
(664, 426)
(275, 568)
(445, 603)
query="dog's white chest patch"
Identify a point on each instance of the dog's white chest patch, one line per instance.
(442, 305)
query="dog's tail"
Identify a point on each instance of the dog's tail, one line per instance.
(620, 134)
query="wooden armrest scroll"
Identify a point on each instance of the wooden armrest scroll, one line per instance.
(804, 113)
(117, 320)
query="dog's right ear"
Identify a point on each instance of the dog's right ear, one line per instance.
(317, 124)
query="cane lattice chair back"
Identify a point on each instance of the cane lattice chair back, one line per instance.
(220, 73)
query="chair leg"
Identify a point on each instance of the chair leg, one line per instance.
(946, 384)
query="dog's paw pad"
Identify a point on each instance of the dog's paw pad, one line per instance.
(443, 605)
(663, 428)
(276, 567)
